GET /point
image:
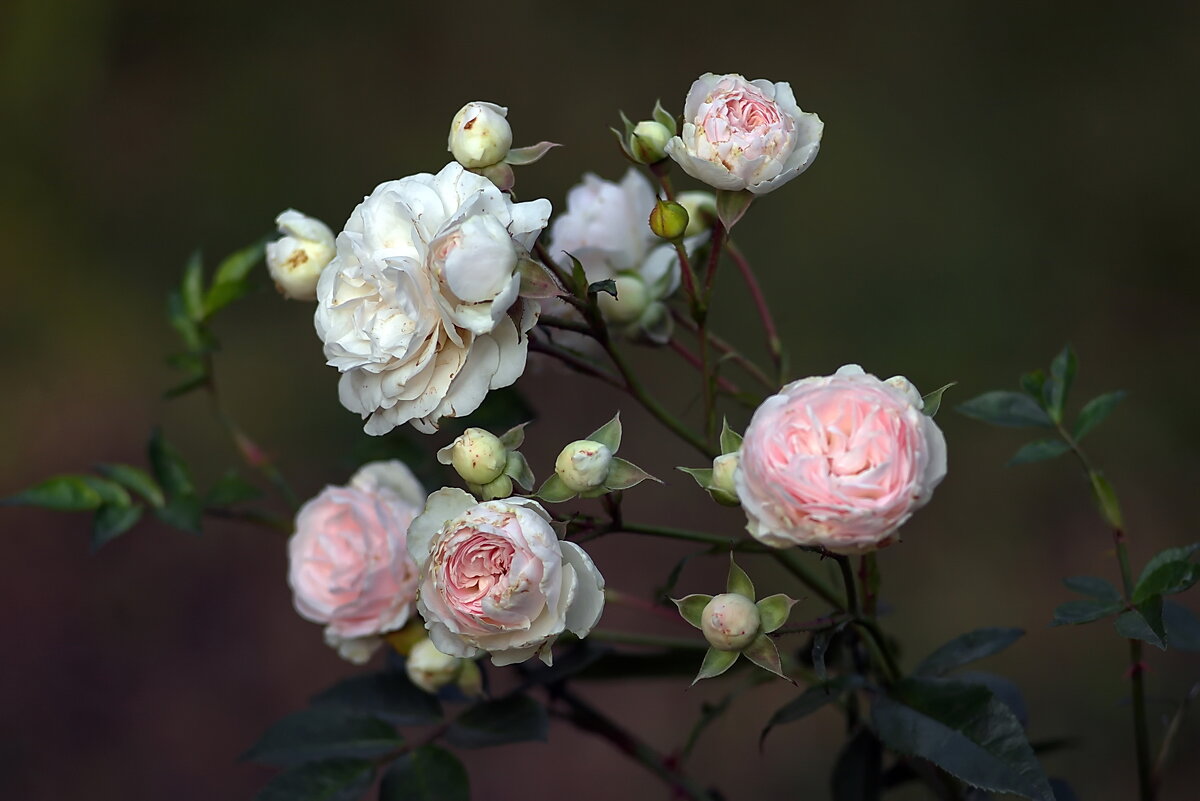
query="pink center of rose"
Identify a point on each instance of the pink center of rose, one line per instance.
(747, 120)
(476, 569)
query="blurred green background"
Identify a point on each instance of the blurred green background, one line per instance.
(995, 180)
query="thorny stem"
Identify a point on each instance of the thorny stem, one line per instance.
(587, 718)
(1141, 733)
(722, 383)
(737, 356)
(574, 361)
(774, 343)
(700, 313)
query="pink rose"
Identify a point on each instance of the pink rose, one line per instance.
(348, 560)
(496, 578)
(740, 134)
(838, 462)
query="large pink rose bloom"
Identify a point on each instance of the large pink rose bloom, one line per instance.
(349, 565)
(838, 462)
(496, 578)
(740, 134)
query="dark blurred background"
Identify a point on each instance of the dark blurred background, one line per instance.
(995, 180)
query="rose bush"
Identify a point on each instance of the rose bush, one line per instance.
(419, 310)
(496, 578)
(838, 461)
(348, 561)
(740, 134)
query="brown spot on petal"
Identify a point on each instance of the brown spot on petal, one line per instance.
(298, 257)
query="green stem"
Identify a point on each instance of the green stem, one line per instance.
(848, 581)
(647, 640)
(574, 361)
(792, 564)
(882, 654)
(679, 534)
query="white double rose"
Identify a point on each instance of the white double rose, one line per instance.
(419, 309)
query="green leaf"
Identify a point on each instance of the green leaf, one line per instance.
(192, 288)
(762, 652)
(858, 771)
(328, 780)
(135, 479)
(1168, 579)
(1144, 623)
(607, 285)
(963, 729)
(1033, 383)
(1095, 412)
(231, 489)
(664, 118)
(221, 295)
(715, 663)
(967, 648)
(1002, 408)
(183, 323)
(234, 269)
(623, 475)
(517, 468)
(1062, 375)
(1093, 586)
(513, 719)
(1076, 612)
(691, 607)
(702, 475)
(1177, 555)
(933, 401)
(732, 206)
(1106, 500)
(168, 467)
(738, 581)
(183, 512)
(578, 276)
(553, 490)
(61, 493)
(812, 699)
(627, 124)
(522, 156)
(323, 733)
(1039, 450)
(731, 441)
(1183, 629)
(111, 522)
(428, 773)
(773, 611)
(388, 695)
(608, 434)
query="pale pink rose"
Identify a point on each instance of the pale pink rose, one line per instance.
(496, 578)
(740, 134)
(349, 566)
(838, 462)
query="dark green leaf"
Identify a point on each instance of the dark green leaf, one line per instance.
(1004, 690)
(1106, 500)
(1038, 451)
(812, 699)
(1144, 623)
(1006, 409)
(607, 285)
(111, 522)
(1075, 612)
(61, 493)
(168, 467)
(428, 773)
(323, 733)
(387, 695)
(110, 492)
(237, 265)
(858, 772)
(933, 401)
(1178, 556)
(513, 719)
(135, 479)
(192, 288)
(328, 780)
(1093, 586)
(1033, 382)
(183, 512)
(963, 729)
(732, 205)
(1167, 579)
(221, 295)
(967, 648)
(1183, 629)
(578, 276)
(229, 490)
(1096, 410)
(1062, 375)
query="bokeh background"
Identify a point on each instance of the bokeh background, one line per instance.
(996, 180)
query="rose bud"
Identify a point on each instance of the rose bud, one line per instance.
(648, 141)
(583, 465)
(477, 455)
(722, 487)
(630, 303)
(480, 136)
(296, 260)
(668, 219)
(702, 211)
(730, 622)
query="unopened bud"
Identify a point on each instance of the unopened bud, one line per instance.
(723, 489)
(500, 487)
(730, 622)
(583, 465)
(296, 260)
(648, 142)
(480, 136)
(430, 669)
(477, 455)
(668, 219)
(630, 303)
(701, 208)
(499, 174)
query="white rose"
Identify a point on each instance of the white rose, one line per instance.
(740, 134)
(480, 136)
(417, 309)
(605, 225)
(296, 260)
(495, 578)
